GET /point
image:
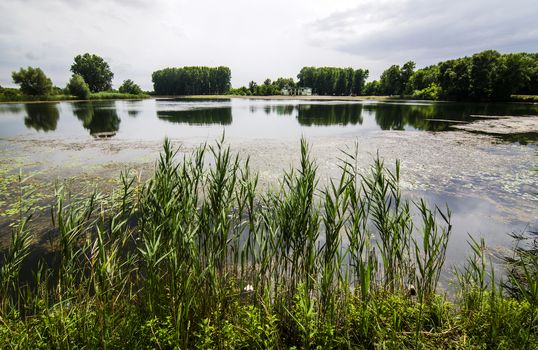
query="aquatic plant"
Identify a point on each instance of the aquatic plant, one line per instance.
(199, 257)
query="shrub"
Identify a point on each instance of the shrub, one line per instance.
(78, 87)
(32, 81)
(129, 87)
(432, 92)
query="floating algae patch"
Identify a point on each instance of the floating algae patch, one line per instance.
(526, 126)
(459, 166)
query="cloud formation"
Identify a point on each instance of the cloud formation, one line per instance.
(256, 39)
(429, 30)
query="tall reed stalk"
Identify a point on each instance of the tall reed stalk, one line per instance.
(186, 257)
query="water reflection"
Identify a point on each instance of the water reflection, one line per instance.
(101, 120)
(41, 116)
(439, 116)
(337, 114)
(283, 109)
(252, 118)
(10, 108)
(397, 117)
(222, 116)
(133, 113)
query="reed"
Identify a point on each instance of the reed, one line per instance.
(199, 257)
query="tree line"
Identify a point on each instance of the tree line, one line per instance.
(330, 81)
(192, 80)
(333, 81)
(485, 76)
(268, 88)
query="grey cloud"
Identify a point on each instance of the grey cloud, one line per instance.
(427, 30)
(31, 56)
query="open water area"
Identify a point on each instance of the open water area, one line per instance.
(488, 181)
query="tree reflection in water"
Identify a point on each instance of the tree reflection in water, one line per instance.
(100, 119)
(41, 116)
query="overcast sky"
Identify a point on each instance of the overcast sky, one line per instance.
(256, 39)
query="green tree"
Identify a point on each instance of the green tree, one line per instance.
(391, 82)
(359, 81)
(514, 73)
(284, 82)
(333, 80)
(407, 71)
(484, 70)
(78, 87)
(32, 81)
(129, 87)
(372, 88)
(95, 71)
(423, 78)
(454, 78)
(252, 86)
(192, 80)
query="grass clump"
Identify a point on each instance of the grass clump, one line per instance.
(198, 257)
(524, 98)
(113, 95)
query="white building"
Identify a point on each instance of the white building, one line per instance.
(300, 91)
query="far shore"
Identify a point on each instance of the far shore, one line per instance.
(225, 97)
(284, 97)
(516, 99)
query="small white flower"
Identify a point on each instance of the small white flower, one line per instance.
(248, 288)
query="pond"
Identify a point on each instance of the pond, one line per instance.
(488, 182)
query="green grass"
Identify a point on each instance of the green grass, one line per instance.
(110, 95)
(524, 98)
(199, 257)
(104, 95)
(27, 98)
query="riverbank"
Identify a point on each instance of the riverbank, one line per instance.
(121, 96)
(288, 98)
(67, 98)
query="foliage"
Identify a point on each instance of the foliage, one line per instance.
(333, 81)
(78, 87)
(432, 92)
(284, 82)
(523, 268)
(32, 81)
(112, 95)
(372, 88)
(268, 88)
(395, 80)
(197, 257)
(252, 87)
(487, 76)
(191, 81)
(525, 98)
(242, 91)
(10, 94)
(94, 70)
(129, 87)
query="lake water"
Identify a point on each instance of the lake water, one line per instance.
(254, 119)
(488, 182)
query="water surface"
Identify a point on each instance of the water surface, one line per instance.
(488, 182)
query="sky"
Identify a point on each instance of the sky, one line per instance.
(256, 39)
